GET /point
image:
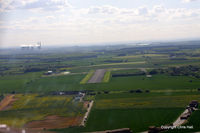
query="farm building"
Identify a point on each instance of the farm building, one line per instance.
(194, 104)
(48, 73)
(79, 97)
(3, 126)
(148, 76)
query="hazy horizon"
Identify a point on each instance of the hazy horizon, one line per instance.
(74, 22)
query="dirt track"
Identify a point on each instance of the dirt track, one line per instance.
(53, 122)
(98, 76)
(6, 102)
(87, 113)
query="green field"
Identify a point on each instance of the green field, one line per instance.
(71, 82)
(126, 71)
(135, 111)
(16, 83)
(60, 83)
(106, 77)
(136, 119)
(156, 82)
(112, 101)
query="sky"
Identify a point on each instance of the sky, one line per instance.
(72, 22)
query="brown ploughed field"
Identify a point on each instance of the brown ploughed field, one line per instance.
(6, 102)
(53, 122)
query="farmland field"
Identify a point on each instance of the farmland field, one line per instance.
(144, 100)
(106, 77)
(61, 83)
(31, 107)
(112, 111)
(71, 82)
(156, 82)
(131, 86)
(136, 119)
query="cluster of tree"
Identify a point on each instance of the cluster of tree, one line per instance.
(62, 59)
(138, 91)
(80, 57)
(113, 61)
(4, 68)
(26, 70)
(178, 59)
(189, 70)
(122, 54)
(1, 96)
(128, 74)
(43, 67)
(184, 54)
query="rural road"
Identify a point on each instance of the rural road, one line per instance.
(98, 76)
(87, 113)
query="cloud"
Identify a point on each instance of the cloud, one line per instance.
(107, 16)
(50, 17)
(187, 1)
(107, 23)
(158, 9)
(46, 5)
(102, 16)
(142, 11)
(106, 9)
(6, 5)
